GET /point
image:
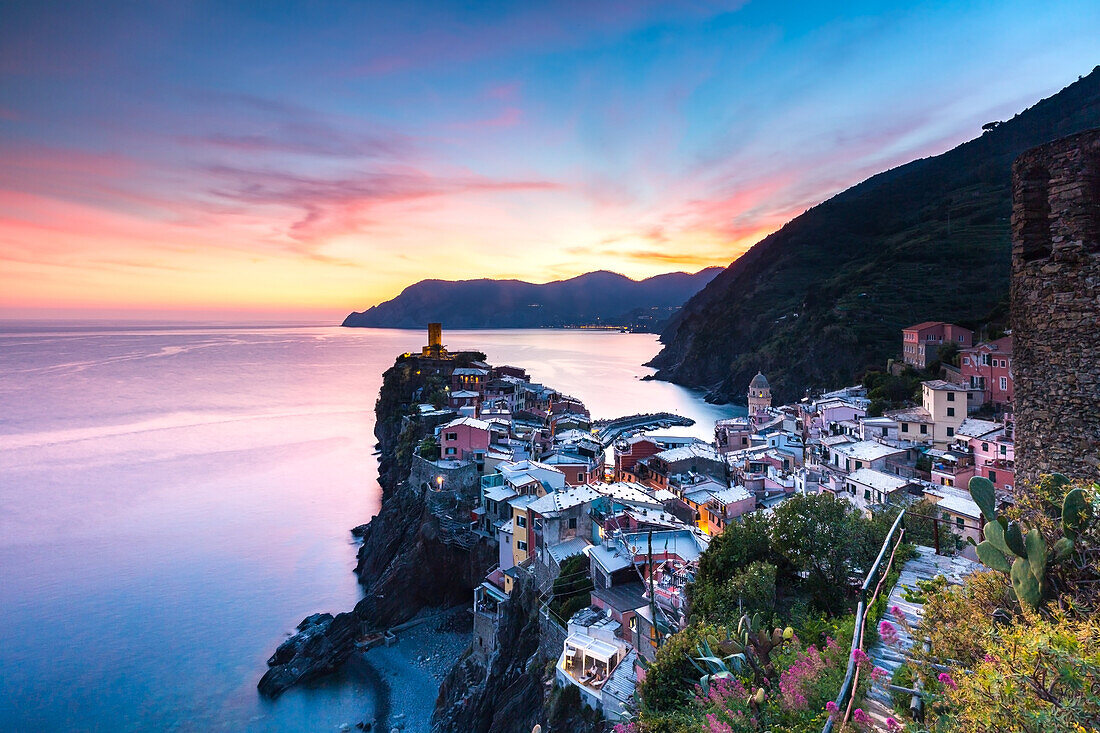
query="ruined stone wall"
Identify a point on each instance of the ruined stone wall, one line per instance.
(1056, 308)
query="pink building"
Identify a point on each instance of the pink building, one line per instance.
(995, 459)
(732, 434)
(921, 343)
(988, 367)
(465, 437)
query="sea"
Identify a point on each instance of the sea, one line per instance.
(175, 498)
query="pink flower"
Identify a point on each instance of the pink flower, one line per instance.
(946, 680)
(862, 660)
(892, 725)
(860, 717)
(889, 633)
(896, 610)
(831, 708)
(878, 674)
(714, 725)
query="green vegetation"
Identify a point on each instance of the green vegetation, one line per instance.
(1021, 642)
(826, 296)
(737, 664)
(889, 392)
(572, 589)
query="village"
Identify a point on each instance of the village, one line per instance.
(609, 518)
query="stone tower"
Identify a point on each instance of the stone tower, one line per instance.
(760, 394)
(1056, 307)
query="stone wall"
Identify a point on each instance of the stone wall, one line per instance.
(1056, 307)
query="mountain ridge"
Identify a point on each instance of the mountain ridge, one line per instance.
(598, 297)
(825, 297)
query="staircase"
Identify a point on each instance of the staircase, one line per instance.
(925, 566)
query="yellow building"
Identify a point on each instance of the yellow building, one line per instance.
(946, 405)
(521, 532)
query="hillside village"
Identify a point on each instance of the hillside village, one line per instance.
(619, 539)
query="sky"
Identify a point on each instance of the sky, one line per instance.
(301, 160)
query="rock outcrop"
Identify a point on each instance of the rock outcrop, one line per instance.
(322, 644)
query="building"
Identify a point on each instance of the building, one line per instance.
(920, 344)
(759, 395)
(435, 348)
(946, 404)
(464, 438)
(867, 488)
(987, 370)
(1056, 307)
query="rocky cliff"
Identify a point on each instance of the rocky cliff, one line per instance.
(415, 552)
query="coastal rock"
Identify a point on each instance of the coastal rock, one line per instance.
(321, 645)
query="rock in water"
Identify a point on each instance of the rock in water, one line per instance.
(322, 644)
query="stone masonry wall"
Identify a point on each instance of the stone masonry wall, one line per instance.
(1056, 308)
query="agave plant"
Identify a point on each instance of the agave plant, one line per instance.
(751, 645)
(1022, 552)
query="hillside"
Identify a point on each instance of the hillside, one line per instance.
(596, 297)
(818, 301)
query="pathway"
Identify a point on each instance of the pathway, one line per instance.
(925, 566)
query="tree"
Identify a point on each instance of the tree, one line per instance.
(821, 536)
(429, 449)
(740, 544)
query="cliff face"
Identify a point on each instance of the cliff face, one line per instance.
(414, 553)
(506, 697)
(828, 294)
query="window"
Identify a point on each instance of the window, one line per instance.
(866, 494)
(950, 396)
(951, 412)
(859, 464)
(580, 477)
(450, 451)
(1004, 383)
(959, 522)
(521, 521)
(905, 427)
(572, 523)
(985, 446)
(924, 430)
(451, 436)
(521, 546)
(1004, 450)
(951, 432)
(993, 476)
(966, 361)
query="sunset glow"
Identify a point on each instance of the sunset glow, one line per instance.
(306, 160)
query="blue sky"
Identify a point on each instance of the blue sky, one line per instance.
(318, 157)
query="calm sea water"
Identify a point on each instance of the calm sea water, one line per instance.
(174, 500)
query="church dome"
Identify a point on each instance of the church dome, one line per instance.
(759, 382)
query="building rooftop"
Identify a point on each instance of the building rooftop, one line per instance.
(975, 428)
(499, 493)
(470, 372)
(878, 480)
(867, 450)
(558, 501)
(759, 382)
(471, 422)
(609, 559)
(687, 452)
(924, 325)
(683, 543)
(911, 414)
(628, 492)
(941, 385)
(568, 548)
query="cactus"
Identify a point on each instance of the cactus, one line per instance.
(1022, 552)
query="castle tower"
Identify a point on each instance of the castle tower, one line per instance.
(760, 394)
(1056, 308)
(435, 348)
